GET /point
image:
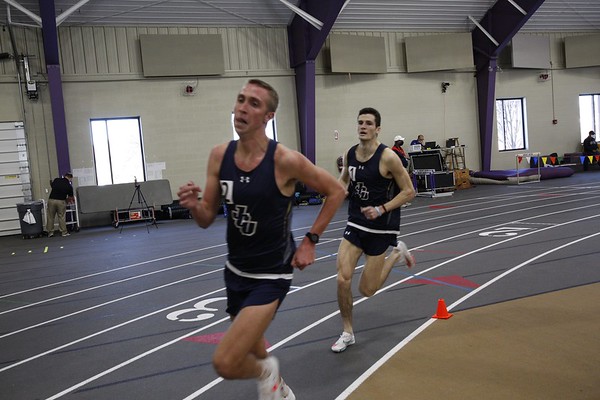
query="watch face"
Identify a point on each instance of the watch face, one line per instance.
(313, 237)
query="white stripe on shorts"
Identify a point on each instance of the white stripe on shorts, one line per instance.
(257, 276)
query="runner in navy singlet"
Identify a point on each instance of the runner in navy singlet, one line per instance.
(378, 185)
(254, 231)
(256, 177)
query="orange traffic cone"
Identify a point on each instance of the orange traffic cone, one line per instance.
(442, 312)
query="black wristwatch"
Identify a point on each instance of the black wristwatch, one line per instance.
(313, 237)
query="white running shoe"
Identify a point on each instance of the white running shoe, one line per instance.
(270, 384)
(285, 393)
(346, 339)
(405, 254)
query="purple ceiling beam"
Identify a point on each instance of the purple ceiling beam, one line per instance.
(50, 37)
(502, 22)
(305, 41)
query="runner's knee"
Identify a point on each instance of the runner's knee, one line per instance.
(226, 367)
(366, 289)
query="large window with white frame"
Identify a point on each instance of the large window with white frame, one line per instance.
(511, 120)
(118, 150)
(589, 114)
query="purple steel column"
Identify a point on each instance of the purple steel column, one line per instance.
(502, 22)
(58, 117)
(305, 42)
(305, 95)
(50, 37)
(486, 86)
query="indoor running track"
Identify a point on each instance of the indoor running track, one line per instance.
(136, 314)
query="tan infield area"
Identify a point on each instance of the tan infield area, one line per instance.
(540, 347)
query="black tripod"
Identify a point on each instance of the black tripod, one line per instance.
(146, 213)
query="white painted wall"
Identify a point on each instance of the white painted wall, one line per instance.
(410, 104)
(544, 136)
(177, 130)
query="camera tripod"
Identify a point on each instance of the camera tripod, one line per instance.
(146, 213)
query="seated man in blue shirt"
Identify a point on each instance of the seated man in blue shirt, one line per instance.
(419, 140)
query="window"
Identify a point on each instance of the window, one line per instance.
(512, 133)
(589, 114)
(271, 133)
(118, 152)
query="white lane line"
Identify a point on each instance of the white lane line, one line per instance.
(109, 302)
(490, 227)
(109, 271)
(425, 325)
(131, 360)
(119, 281)
(421, 220)
(471, 219)
(122, 324)
(111, 283)
(530, 198)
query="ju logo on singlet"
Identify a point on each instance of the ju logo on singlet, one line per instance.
(240, 215)
(360, 190)
(243, 220)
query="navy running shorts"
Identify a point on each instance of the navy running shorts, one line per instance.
(243, 292)
(372, 244)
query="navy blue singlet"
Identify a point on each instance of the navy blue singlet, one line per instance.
(368, 188)
(259, 239)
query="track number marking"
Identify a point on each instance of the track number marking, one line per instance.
(199, 308)
(505, 231)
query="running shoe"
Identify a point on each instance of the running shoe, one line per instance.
(269, 384)
(346, 339)
(405, 254)
(285, 393)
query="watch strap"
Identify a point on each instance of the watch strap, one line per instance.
(313, 237)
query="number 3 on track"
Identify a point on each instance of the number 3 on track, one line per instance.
(199, 306)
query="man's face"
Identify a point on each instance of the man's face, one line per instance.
(366, 127)
(251, 109)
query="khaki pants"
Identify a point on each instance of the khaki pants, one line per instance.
(56, 207)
